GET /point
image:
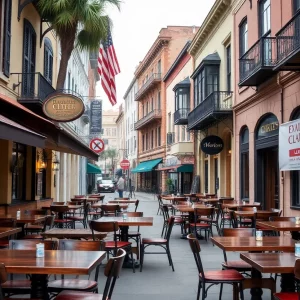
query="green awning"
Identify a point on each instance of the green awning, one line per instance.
(93, 169)
(185, 169)
(147, 166)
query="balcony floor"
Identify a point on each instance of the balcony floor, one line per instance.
(258, 77)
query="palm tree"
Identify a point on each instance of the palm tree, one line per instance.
(77, 23)
(103, 156)
(112, 154)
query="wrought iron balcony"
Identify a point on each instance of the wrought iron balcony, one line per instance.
(181, 116)
(170, 138)
(217, 106)
(150, 117)
(32, 89)
(288, 45)
(152, 80)
(257, 64)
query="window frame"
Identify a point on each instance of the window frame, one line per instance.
(261, 15)
(228, 67)
(48, 60)
(296, 3)
(244, 153)
(6, 46)
(243, 37)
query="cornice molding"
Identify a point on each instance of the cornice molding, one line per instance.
(152, 53)
(237, 5)
(213, 18)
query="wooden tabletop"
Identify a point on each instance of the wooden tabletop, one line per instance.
(280, 225)
(240, 204)
(99, 205)
(268, 243)
(121, 201)
(25, 218)
(61, 233)
(249, 214)
(130, 221)
(70, 206)
(271, 262)
(188, 208)
(7, 231)
(54, 262)
(173, 198)
(208, 200)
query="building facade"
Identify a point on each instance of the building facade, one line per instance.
(109, 136)
(131, 136)
(179, 161)
(121, 146)
(212, 93)
(267, 85)
(29, 142)
(151, 95)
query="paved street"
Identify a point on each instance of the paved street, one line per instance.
(157, 281)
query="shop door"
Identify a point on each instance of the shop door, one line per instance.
(267, 182)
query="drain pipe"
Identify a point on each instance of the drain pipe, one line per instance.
(282, 120)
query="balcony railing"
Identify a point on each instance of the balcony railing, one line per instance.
(216, 105)
(170, 138)
(153, 115)
(181, 116)
(257, 63)
(31, 87)
(288, 41)
(154, 78)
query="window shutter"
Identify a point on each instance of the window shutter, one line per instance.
(48, 60)
(7, 38)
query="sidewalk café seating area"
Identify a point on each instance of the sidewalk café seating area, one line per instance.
(227, 249)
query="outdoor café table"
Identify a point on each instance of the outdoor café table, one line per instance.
(188, 208)
(235, 205)
(81, 233)
(272, 243)
(250, 214)
(282, 226)
(99, 205)
(25, 219)
(172, 198)
(70, 206)
(124, 226)
(54, 262)
(7, 231)
(209, 200)
(272, 263)
(122, 201)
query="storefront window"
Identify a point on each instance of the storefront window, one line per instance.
(18, 171)
(244, 163)
(295, 176)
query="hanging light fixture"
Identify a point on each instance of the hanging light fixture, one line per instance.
(55, 163)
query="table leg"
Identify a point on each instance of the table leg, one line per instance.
(124, 237)
(287, 282)
(39, 286)
(256, 292)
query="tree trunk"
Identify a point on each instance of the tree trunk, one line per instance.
(67, 45)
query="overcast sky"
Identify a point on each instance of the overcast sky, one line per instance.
(137, 25)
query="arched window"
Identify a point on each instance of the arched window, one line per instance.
(244, 163)
(48, 60)
(295, 175)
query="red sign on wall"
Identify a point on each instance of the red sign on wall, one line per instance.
(97, 145)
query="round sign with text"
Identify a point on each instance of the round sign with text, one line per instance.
(62, 107)
(212, 145)
(97, 145)
(125, 164)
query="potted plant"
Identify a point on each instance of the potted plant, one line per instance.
(169, 184)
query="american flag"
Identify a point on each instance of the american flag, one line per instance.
(108, 68)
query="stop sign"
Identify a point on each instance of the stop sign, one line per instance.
(125, 164)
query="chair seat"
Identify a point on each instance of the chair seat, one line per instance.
(223, 275)
(237, 264)
(33, 227)
(16, 284)
(72, 284)
(76, 218)
(32, 237)
(4, 243)
(120, 244)
(74, 295)
(286, 296)
(154, 241)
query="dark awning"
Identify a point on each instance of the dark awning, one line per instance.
(12, 131)
(146, 166)
(57, 138)
(92, 169)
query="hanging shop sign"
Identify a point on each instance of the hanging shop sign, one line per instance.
(289, 146)
(63, 107)
(96, 117)
(212, 145)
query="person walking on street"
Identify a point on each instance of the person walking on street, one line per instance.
(121, 185)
